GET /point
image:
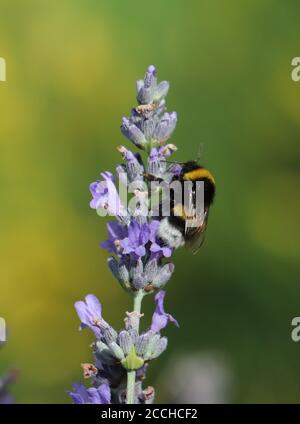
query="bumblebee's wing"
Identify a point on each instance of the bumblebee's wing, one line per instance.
(195, 234)
(189, 210)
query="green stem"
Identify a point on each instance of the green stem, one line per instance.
(130, 387)
(137, 303)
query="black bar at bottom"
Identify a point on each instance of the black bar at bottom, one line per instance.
(135, 413)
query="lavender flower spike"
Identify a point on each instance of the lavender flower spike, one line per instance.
(160, 318)
(138, 256)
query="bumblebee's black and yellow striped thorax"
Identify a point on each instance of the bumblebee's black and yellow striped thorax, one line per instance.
(191, 171)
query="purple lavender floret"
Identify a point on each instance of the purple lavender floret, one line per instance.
(5, 381)
(160, 318)
(116, 233)
(127, 241)
(6, 399)
(138, 237)
(89, 313)
(99, 190)
(106, 197)
(81, 395)
(133, 240)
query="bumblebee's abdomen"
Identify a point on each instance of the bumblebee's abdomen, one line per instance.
(171, 231)
(178, 222)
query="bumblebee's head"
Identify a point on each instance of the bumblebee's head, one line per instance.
(189, 166)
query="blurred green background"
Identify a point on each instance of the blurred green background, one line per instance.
(71, 71)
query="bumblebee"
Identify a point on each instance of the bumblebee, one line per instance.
(180, 228)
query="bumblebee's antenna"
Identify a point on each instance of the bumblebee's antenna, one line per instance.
(169, 161)
(200, 151)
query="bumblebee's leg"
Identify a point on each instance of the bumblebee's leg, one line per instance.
(151, 177)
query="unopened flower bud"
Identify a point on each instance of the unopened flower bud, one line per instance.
(110, 335)
(133, 133)
(161, 91)
(125, 341)
(159, 347)
(116, 351)
(142, 343)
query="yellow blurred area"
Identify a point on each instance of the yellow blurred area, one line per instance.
(272, 214)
